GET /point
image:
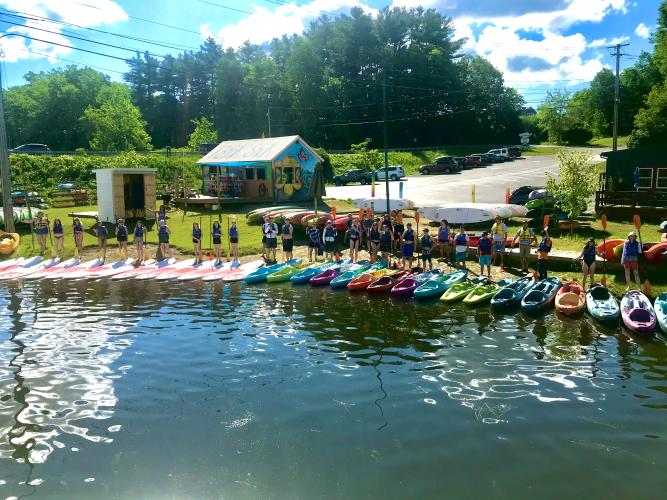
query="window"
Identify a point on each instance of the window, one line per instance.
(661, 178)
(260, 174)
(645, 178)
(249, 174)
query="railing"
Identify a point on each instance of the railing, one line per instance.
(648, 198)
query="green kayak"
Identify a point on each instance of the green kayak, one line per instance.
(484, 292)
(283, 274)
(458, 291)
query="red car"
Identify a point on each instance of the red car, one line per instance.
(473, 161)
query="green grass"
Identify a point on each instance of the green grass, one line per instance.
(606, 142)
(546, 150)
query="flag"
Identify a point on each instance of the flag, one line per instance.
(373, 187)
(472, 195)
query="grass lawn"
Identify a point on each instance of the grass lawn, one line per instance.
(606, 142)
(546, 150)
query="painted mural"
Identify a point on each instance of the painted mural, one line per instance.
(293, 173)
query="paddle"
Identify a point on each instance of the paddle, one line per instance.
(146, 253)
(646, 286)
(603, 221)
(547, 219)
(48, 226)
(418, 237)
(333, 212)
(229, 244)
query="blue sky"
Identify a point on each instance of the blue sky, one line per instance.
(537, 44)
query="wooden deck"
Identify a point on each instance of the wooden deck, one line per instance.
(209, 201)
(647, 204)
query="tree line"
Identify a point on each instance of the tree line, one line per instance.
(327, 85)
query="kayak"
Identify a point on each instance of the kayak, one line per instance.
(343, 279)
(458, 291)
(158, 272)
(483, 292)
(236, 273)
(661, 311)
(313, 270)
(512, 294)
(261, 211)
(408, 286)
(325, 277)
(571, 299)
(262, 273)
(66, 264)
(654, 254)
(387, 282)
(64, 272)
(438, 285)
(453, 278)
(602, 305)
(541, 296)
(8, 242)
(284, 274)
(637, 313)
(363, 281)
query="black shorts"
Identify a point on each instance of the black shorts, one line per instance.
(313, 244)
(233, 239)
(426, 257)
(271, 242)
(288, 245)
(385, 247)
(121, 239)
(329, 246)
(216, 240)
(195, 241)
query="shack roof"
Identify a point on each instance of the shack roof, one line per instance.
(252, 150)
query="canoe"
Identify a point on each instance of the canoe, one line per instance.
(484, 292)
(262, 273)
(386, 283)
(655, 253)
(541, 296)
(363, 281)
(571, 299)
(313, 270)
(8, 242)
(343, 279)
(660, 307)
(284, 274)
(602, 305)
(325, 277)
(458, 291)
(512, 294)
(637, 313)
(261, 211)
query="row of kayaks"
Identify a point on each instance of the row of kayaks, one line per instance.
(612, 250)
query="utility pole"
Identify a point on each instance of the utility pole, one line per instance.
(617, 54)
(268, 116)
(384, 133)
(7, 209)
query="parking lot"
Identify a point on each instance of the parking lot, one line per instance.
(433, 190)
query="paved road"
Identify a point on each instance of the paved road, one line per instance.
(434, 190)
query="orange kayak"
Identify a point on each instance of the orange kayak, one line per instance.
(570, 299)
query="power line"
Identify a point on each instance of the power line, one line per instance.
(28, 37)
(30, 51)
(225, 7)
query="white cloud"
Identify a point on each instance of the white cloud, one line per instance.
(263, 25)
(93, 13)
(642, 30)
(604, 42)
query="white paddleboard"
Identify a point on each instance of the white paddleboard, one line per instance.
(146, 266)
(31, 261)
(62, 273)
(27, 269)
(456, 214)
(240, 273)
(11, 262)
(66, 264)
(206, 269)
(98, 271)
(168, 272)
(380, 204)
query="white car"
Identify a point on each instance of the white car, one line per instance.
(395, 173)
(499, 152)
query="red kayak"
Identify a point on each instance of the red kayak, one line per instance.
(607, 248)
(386, 283)
(655, 253)
(296, 218)
(324, 278)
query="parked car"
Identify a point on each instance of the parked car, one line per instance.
(473, 161)
(461, 160)
(395, 172)
(514, 151)
(484, 159)
(441, 165)
(30, 149)
(520, 195)
(355, 175)
(499, 152)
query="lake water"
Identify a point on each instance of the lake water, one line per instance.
(146, 390)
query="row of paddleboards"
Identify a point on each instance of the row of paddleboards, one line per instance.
(35, 268)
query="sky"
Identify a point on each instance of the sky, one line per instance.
(537, 44)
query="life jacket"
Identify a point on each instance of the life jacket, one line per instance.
(314, 235)
(217, 231)
(161, 216)
(102, 232)
(354, 232)
(375, 234)
(329, 233)
(399, 228)
(543, 247)
(286, 229)
(409, 237)
(233, 232)
(138, 232)
(426, 241)
(484, 245)
(196, 233)
(631, 248)
(57, 228)
(461, 239)
(498, 228)
(525, 234)
(270, 229)
(121, 231)
(41, 223)
(589, 254)
(443, 234)
(162, 231)
(77, 227)
(385, 237)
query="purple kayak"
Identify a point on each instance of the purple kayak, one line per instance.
(637, 313)
(405, 288)
(324, 278)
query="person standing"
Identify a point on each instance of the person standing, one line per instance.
(588, 254)
(329, 235)
(386, 242)
(461, 242)
(270, 230)
(526, 237)
(368, 223)
(102, 235)
(408, 250)
(499, 234)
(163, 233)
(426, 244)
(216, 235)
(629, 260)
(286, 235)
(58, 237)
(374, 238)
(196, 242)
(484, 252)
(121, 238)
(399, 229)
(543, 250)
(77, 230)
(354, 235)
(313, 241)
(41, 225)
(139, 236)
(443, 240)
(234, 242)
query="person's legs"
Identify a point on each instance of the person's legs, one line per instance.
(591, 270)
(627, 275)
(584, 271)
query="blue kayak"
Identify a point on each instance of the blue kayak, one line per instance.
(511, 295)
(263, 272)
(541, 295)
(343, 279)
(439, 284)
(305, 275)
(602, 305)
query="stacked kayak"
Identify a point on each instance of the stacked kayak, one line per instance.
(602, 305)
(661, 311)
(438, 285)
(570, 299)
(637, 313)
(541, 296)
(484, 292)
(511, 295)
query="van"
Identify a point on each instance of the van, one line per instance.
(499, 152)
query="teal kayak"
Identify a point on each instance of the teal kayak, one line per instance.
(343, 279)
(438, 285)
(304, 275)
(660, 307)
(511, 295)
(263, 272)
(602, 305)
(541, 296)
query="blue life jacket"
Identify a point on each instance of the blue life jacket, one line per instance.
(461, 239)
(385, 237)
(354, 232)
(233, 232)
(57, 228)
(314, 235)
(543, 247)
(589, 254)
(375, 234)
(217, 231)
(78, 227)
(121, 231)
(400, 228)
(196, 233)
(426, 241)
(484, 245)
(409, 237)
(631, 248)
(286, 229)
(138, 232)
(329, 232)
(162, 231)
(387, 223)
(443, 234)
(102, 232)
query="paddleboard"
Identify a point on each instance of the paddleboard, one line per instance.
(11, 262)
(145, 267)
(175, 273)
(102, 271)
(26, 269)
(240, 273)
(159, 271)
(232, 271)
(208, 268)
(455, 214)
(31, 261)
(62, 273)
(66, 264)
(380, 204)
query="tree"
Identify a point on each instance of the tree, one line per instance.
(116, 124)
(576, 183)
(552, 114)
(651, 121)
(204, 133)
(367, 159)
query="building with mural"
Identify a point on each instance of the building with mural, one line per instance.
(273, 169)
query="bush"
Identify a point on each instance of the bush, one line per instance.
(577, 136)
